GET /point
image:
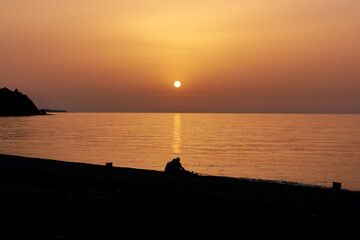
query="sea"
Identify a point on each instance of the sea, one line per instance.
(312, 149)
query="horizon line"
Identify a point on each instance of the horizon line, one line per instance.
(217, 112)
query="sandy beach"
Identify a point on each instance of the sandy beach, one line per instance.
(63, 200)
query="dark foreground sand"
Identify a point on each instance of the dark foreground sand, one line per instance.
(60, 200)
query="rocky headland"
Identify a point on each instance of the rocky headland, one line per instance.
(14, 103)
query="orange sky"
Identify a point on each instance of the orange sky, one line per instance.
(230, 55)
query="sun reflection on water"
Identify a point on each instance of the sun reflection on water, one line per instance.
(176, 134)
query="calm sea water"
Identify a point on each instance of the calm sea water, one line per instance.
(304, 148)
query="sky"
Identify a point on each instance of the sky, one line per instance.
(298, 56)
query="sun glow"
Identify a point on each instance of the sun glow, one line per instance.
(177, 84)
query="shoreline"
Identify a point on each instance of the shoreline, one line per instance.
(106, 201)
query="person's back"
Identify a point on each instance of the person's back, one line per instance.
(169, 167)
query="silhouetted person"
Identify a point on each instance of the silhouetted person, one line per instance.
(175, 167)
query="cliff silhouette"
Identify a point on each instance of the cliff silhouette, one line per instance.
(14, 103)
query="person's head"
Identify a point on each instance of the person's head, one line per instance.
(176, 160)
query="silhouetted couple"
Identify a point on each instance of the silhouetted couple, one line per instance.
(175, 167)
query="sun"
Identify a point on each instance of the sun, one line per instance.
(177, 84)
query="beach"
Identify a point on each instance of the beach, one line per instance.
(64, 200)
